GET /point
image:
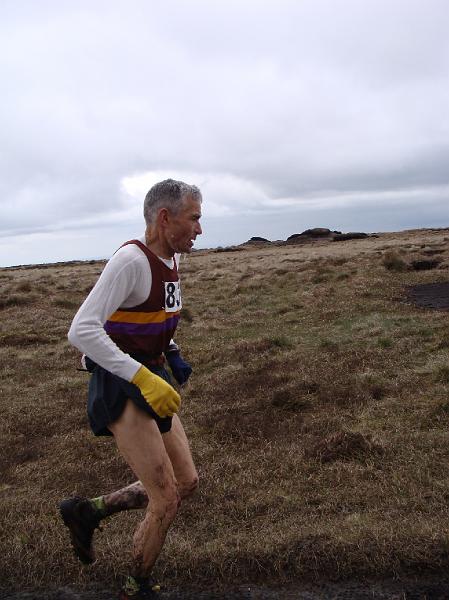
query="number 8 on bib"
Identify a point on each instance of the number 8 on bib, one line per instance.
(172, 296)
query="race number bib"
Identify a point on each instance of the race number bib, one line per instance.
(172, 296)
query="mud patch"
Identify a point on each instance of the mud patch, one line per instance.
(434, 588)
(430, 295)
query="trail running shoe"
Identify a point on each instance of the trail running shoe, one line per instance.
(81, 518)
(139, 589)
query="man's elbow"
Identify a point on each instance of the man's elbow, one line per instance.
(72, 336)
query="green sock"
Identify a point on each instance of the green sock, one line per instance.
(99, 505)
(132, 585)
(135, 584)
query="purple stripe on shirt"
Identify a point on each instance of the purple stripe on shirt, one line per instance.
(117, 328)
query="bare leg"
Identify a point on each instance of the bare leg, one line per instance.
(177, 447)
(138, 438)
(134, 496)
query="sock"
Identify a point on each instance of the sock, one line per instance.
(99, 506)
(134, 584)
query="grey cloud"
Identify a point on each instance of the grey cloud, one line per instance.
(303, 100)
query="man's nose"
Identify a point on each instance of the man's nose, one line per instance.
(198, 229)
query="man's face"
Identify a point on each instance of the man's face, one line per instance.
(183, 227)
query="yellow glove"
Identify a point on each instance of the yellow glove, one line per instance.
(159, 394)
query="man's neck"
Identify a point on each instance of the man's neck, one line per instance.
(158, 248)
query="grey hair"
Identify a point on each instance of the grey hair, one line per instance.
(168, 194)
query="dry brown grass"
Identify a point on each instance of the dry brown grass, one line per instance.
(317, 413)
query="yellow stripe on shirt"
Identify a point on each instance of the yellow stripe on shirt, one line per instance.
(126, 316)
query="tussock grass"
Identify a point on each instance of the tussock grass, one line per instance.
(24, 286)
(26, 338)
(66, 303)
(16, 300)
(344, 445)
(394, 262)
(317, 414)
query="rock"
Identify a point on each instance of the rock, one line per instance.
(317, 232)
(341, 237)
(258, 239)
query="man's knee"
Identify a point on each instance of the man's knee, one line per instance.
(188, 486)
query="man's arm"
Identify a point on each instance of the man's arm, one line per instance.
(116, 284)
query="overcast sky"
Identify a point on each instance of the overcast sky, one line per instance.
(287, 114)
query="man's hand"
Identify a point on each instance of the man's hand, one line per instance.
(179, 367)
(159, 394)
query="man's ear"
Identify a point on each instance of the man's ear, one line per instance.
(163, 217)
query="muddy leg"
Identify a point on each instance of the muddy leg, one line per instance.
(134, 496)
(140, 443)
(130, 497)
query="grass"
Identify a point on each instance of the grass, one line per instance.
(393, 261)
(317, 415)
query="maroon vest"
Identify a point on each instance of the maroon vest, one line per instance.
(149, 327)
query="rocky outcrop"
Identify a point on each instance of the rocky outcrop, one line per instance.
(316, 233)
(307, 236)
(257, 239)
(354, 235)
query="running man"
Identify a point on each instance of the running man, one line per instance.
(125, 329)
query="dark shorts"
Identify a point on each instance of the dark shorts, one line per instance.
(109, 393)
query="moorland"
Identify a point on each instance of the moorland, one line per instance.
(318, 417)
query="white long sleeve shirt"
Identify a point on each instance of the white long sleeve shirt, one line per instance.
(125, 282)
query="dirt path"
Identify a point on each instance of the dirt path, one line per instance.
(434, 588)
